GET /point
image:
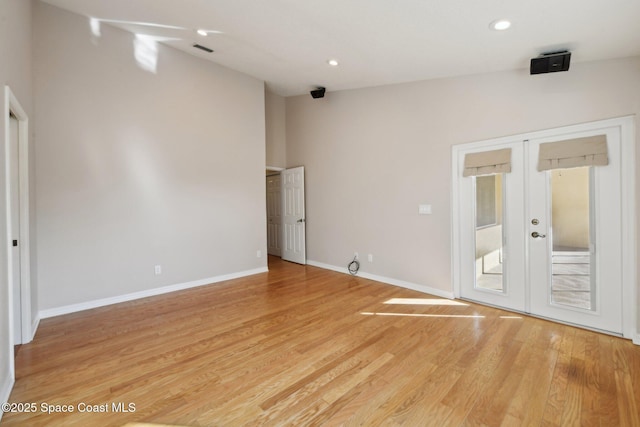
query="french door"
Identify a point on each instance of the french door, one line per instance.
(492, 233)
(542, 234)
(575, 271)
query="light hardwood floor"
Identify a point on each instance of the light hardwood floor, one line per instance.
(305, 346)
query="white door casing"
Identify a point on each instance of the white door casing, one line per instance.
(528, 271)
(14, 236)
(21, 267)
(274, 215)
(293, 215)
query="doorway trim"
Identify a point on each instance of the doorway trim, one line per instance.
(273, 170)
(12, 106)
(628, 217)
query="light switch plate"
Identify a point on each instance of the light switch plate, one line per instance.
(424, 209)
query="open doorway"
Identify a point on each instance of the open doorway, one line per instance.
(274, 210)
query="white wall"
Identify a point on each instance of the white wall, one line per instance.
(276, 149)
(136, 169)
(372, 155)
(15, 71)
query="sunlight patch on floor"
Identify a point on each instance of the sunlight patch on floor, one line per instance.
(424, 301)
(470, 316)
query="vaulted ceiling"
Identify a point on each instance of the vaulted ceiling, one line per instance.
(288, 43)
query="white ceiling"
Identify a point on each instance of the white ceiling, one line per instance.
(286, 43)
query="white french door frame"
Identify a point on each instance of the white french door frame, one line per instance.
(13, 106)
(628, 207)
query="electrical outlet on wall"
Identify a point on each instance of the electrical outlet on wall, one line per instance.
(355, 255)
(370, 257)
(259, 254)
(158, 270)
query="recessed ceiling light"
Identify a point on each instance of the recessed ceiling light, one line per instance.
(202, 32)
(333, 62)
(500, 25)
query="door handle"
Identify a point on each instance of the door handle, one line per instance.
(301, 220)
(537, 235)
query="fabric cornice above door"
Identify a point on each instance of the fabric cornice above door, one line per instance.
(573, 153)
(487, 162)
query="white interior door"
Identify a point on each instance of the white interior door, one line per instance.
(274, 215)
(554, 243)
(293, 215)
(14, 185)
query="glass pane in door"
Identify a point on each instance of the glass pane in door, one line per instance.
(572, 281)
(488, 233)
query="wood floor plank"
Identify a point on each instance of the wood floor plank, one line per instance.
(479, 363)
(305, 346)
(624, 362)
(572, 411)
(423, 393)
(491, 403)
(557, 392)
(607, 397)
(527, 403)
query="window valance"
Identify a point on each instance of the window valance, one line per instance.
(487, 162)
(573, 153)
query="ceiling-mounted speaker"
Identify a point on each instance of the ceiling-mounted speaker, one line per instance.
(550, 62)
(318, 93)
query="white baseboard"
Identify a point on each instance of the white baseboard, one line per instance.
(34, 326)
(73, 308)
(387, 280)
(636, 339)
(6, 385)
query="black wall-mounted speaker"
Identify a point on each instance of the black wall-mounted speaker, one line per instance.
(318, 93)
(550, 62)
